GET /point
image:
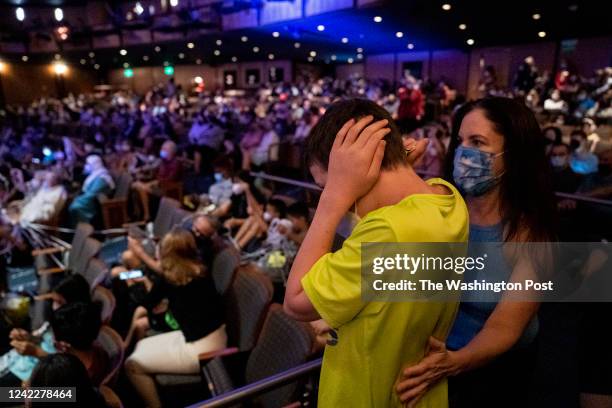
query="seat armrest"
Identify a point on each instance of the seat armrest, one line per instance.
(49, 271)
(47, 251)
(135, 223)
(204, 357)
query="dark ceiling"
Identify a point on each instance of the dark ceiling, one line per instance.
(424, 25)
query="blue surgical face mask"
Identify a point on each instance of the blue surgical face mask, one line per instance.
(473, 171)
(163, 154)
(558, 162)
(218, 177)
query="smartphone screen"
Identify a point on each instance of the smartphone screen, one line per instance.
(133, 274)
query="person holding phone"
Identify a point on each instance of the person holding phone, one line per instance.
(356, 153)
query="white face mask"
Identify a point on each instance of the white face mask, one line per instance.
(267, 216)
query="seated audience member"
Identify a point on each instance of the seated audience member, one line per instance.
(260, 224)
(75, 329)
(195, 305)
(599, 184)
(169, 170)
(209, 243)
(555, 104)
(220, 192)
(46, 203)
(207, 137)
(84, 207)
(589, 127)
(263, 152)
(582, 160)
(66, 370)
(552, 135)
(299, 215)
(29, 347)
(356, 153)
(565, 180)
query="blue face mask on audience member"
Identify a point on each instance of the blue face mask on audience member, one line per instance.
(163, 154)
(218, 177)
(473, 171)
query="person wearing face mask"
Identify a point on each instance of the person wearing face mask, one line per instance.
(84, 207)
(599, 184)
(582, 160)
(261, 222)
(496, 159)
(564, 179)
(220, 192)
(46, 203)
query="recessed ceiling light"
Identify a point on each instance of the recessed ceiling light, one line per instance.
(157, 48)
(446, 6)
(350, 60)
(462, 26)
(410, 46)
(234, 59)
(255, 49)
(244, 38)
(470, 41)
(25, 58)
(313, 53)
(333, 57)
(377, 19)
(275, 34)
(297, 45)
(190, 45)
(218, 42)
(92, 54)
(123, 51)
(198, 61)
(181, 55)
(536, 16)
(57, 57)
(83, 61)
(344, 40)
(97, 66)
(145, 57)
(126, 65)
(320, 27)
(359, 56)
(542, 34)
(271, 56)
(310, 59)
(359, 49)
(399, 34)
(217, 52)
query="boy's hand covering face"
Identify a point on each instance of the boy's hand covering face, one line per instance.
(355, 158)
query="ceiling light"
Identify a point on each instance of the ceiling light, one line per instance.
(20, 13)
(399, 34)
(536, 16)
(25, 58)
(173, 3)
(145, 58)
(360, 50)
(333, 57)
(126, 65)
(57, 57)
(244, 38)
(218, 42)
(446, 7)
(377, 19)
(313, 53)
(310, 59)
(462, 26)
(97, 66)
(190, 45)
(320, 27)
(217, 53)
(255, 49)
(234, 59)
(344, 40)
(410, 46)
(198, 80)
(359, 56)
(270, 56)
(297, 45)
(275, 34)
(199, 61)
(181, 55)
(92, 54)
(470, 41)
(350, 60)
(542, 34)
(157, 48)
(59, 14)
(60, 68)
(138, 9)
(83, 61)
(123, 52)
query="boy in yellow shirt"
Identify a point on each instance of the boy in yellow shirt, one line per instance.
(355, 152)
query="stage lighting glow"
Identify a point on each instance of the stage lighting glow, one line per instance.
(138, 9)
(350, 60)
(174, 3)
(377, 19)
(244, 38)
(20, 13)
(198, 80)
(313, 53)
(60, 68)
(128, 72)
(157, 48)
(25, 58)
(218, 42)
(470, 41)
(270, 56)
(542, 34)
(399, 34)
(320, 27)
(344, 40)
(410, 46)
(59, 14)
(255, 49)
(297, 45)
(446, 7)
(46, 151)
(536, 16)
(462, 26)
(169, 70)
(217, 52)
(190, 45)
(123, 52)
(275, 34)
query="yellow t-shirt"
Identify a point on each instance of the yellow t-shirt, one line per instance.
(377, 339)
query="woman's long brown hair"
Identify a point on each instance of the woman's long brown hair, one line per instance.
(180, 260)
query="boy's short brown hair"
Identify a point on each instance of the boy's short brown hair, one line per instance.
(322, 136)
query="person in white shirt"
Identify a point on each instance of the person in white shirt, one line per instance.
(46, 203)
(555, 103)
(267, 149)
